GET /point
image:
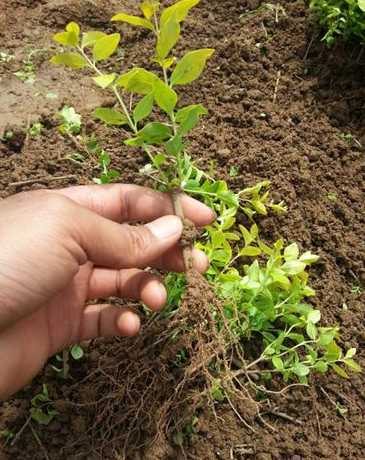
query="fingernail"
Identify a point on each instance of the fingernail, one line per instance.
(166, 227)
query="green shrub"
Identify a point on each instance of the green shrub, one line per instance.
(341, 19)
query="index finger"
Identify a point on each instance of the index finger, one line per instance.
(132, 203)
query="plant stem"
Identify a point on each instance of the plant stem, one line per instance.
(114, 89)
(187, 255)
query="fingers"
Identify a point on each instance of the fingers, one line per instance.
(132, 284)
(131, 203)
(108, 244)
(108, 321)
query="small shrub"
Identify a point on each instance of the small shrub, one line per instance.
(343, 19)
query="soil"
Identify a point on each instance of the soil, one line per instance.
(281, 107)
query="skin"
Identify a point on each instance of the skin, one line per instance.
(62, 249)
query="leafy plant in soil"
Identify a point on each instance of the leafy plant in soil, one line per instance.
(222, 336)
(343, 19)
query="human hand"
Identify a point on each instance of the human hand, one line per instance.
(60, 249)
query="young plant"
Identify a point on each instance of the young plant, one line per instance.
(42, 410)
(340, 19)
(263, 288)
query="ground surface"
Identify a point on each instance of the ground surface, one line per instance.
(279, 104)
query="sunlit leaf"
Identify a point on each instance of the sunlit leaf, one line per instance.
(144, 108)
(133, 20)
(110, 116)
(190, 67)
(73, 60)
(90, 38)
(104, 80)
(168, 37)
(105, 47)
(180, 9)
(165, 97)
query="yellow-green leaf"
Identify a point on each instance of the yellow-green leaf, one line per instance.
(73, 27)
(149, 8)
(134, 20)
(181, 9)
(250, 251)
(143, 108)
(190, 67)
(66, 38)
(105, 47)
(90, 38)
(353, 365)
(362, 5)
(110, 116)
(73, 60)
(138, 81)
(168, 37)
(339, 371)
(165, 97)
(104, 80)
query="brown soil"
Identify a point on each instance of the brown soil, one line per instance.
(279, 104)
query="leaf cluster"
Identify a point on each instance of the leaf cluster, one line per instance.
(343, 19)
(263, 288)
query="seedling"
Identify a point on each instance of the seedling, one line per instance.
(7, 436)
(42, 410)
(263, 288)
(5, 57)
(35, 130)
(76, 352)
(7, 136)
(71, 121)
(27, 72)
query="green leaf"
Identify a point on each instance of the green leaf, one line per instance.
(181, 9)
(105, 47)
(278, 363)
(188, 117)
(104, 80)
(293, 267)
(291, 252)
(314, 316)
(110, 116)
(144, 108)
(333, 352)
(90, 38)
(351, 352)
(250, 251)
(246, 235)
(155, 133)
(326, 336)
(149, 8)
(168, 37)
(361, 4)
(165, 97)
(301, 370)
(353, 365)
(311, 330)
(265, 248)
(190, 67)
(138, 81)
(174, 146)
(339, 371)
(133, 20)
(308, 258)
(76, 352)
(73, 60)
(66, 38)
(321, 366)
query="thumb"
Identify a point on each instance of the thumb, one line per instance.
(113, 245)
